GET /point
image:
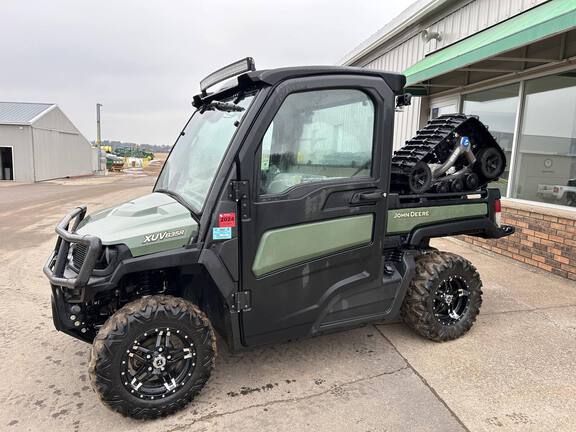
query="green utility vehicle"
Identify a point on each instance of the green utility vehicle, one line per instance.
(281, 213)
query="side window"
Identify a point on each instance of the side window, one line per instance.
(317, 136)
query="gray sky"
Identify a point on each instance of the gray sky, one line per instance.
(143, 60)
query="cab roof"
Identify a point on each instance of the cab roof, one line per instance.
(274, 76)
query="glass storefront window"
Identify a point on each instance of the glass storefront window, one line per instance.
(546, 164)
(497, 109)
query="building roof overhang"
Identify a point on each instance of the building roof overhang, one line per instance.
(540, 37)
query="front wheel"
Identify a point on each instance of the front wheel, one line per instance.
(444, 297)
(152, 357)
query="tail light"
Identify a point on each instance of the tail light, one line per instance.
(498, 212)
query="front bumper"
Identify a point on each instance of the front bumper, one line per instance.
(68, 287)
(56, 265)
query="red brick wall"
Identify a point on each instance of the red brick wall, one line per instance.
(543, 239)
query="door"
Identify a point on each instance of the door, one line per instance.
(6, 164)
(312, 245)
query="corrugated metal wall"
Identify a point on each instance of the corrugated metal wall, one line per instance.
(60, 150)
(454, 23)
(20, 139)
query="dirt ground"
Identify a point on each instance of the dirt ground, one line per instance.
(513, 372)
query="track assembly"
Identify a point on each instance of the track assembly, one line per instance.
(452, 153)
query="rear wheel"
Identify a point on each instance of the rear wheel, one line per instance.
(444, 298)
(152, 357)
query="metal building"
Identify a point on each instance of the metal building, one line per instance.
(38, 142)
(512, 63)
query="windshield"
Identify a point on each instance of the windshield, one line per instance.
(198, 152)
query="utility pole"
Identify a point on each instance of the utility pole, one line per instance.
(99, 137)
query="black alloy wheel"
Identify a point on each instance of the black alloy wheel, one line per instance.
(158, 363)
(152, 357)
(451, 300)
(444, 296)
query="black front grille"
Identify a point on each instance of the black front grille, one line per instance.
(79, 252)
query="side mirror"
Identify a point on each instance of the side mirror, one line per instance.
(403, 100)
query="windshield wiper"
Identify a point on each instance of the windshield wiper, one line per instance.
(222, 106)
(174, 195)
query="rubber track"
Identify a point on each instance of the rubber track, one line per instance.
(426, 142)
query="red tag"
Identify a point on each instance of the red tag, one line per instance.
(227, 220)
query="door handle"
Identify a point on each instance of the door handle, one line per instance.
(365, 197)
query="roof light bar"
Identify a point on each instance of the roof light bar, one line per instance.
(245, 65)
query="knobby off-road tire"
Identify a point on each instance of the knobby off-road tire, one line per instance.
(185, 335)
(426, 308)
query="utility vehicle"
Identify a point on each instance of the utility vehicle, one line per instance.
(281, 213)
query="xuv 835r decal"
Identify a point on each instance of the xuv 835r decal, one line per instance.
(150, 238)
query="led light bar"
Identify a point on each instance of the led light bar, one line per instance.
(236, 68)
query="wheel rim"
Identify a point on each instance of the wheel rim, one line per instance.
(420, 178)
(492, 163)
(159, 362)
(451, 300)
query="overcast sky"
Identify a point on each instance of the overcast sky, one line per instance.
(143, 59)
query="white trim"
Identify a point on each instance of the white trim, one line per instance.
(516, 137)
(46, 111)
(13, 164)
(570, 211)
(58, 130)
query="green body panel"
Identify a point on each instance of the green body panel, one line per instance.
(283, 247)
(543, 21)
(151, 223)
(405, 220)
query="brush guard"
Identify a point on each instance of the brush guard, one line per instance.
(55, 267)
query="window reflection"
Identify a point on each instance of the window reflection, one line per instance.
(546, 168)
(497, 109)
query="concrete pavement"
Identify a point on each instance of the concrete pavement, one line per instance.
(513, 372)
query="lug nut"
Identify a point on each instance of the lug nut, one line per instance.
(83, 330)
(72, 317)
(75, 309)
(77, 323)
